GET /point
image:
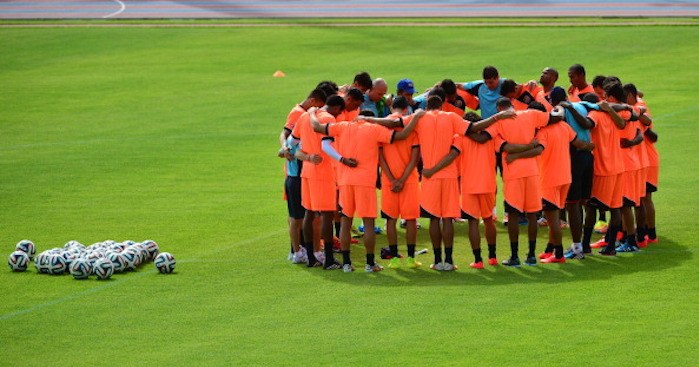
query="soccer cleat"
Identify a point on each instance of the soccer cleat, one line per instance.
(607, 251)
(542, 222)
(337, 245)
(493, 261)
(643, 244)
(599, 244)
(601, 227)
(505, 219)
(394, 263)
(373, 268)
(478, 265)
(413, 264)
(291, 256)
(512, 261)
(449, 267)
(531, 260)
(320, 256)
(652, 240)
(437, 267)
(545, 255)
(332, 266)
(299, 258)
(403, 223)
(564, 224)
(626, 248)
(347, 268)
(553, 259)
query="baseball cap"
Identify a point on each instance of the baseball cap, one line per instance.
(406, 85)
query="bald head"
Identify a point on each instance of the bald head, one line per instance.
(378, 89)
(548, 78)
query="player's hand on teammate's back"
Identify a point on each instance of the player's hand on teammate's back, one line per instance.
(349, 162)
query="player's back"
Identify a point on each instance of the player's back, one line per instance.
(435, 133)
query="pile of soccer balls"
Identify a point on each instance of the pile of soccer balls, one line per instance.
(101, 259)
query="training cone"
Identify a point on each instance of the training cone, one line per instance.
(278, 74)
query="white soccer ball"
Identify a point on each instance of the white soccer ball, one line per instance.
(103, 268)
(151, 247)
(130, 259)
(80, 269)
(41, 262)
(18, 261)
(57, 264)
(117, 260)
(27, 247)
(165, 262)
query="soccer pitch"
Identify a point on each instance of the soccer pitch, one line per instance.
(171, 134)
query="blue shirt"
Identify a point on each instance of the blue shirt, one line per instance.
(293, 167)
(486, 96)
(372, 106)
(583, 108)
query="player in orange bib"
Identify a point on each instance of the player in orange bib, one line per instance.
(556, 178)
(522, 185)
(360, 140)
(318, 183)
(439, 196)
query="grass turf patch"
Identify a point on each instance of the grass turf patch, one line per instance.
(170, 134)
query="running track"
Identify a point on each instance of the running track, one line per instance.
(123, 9)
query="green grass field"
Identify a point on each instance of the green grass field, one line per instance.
(171, 134)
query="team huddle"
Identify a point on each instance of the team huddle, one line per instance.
(576, 153)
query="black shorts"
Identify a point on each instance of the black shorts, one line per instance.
(292, 188)
(581, 169)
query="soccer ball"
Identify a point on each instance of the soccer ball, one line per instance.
(80, 269)
(131, 260)
(151, 247)
(27, 247)
(56, 264)
(165, 262)
(18, 261)
(41, 262)
(117, 260)
(103, 268)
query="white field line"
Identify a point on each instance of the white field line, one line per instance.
(128, 278)
(123, 7)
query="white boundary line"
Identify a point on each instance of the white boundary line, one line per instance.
(123, 7)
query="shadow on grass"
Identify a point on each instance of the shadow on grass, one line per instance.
(658, 257)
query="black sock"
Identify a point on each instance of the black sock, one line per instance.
(437, 255)
(329, 254)
(394, 250)
(611, 236)
(491, 251)
(587, 235)
(514, 247)
(477, 255)
(370, 259)
(346, 257)
(337, 229)
(309, 252)
(292, 248)
(558, 251)
(631, 240)
(532, 248)
(549, 248)
(447, 255)
(651, 233)
(640, 234)
(411, 250)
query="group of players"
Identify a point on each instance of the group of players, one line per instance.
(579, 152)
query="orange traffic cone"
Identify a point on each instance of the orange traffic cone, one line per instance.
(278, 74)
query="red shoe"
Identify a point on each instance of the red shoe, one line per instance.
(619, 236)
(493, 261)
(354, 241)
(545, 255)
(599, 244)
(553, 259)
(651, 240)
(478, 265)
(643, 244)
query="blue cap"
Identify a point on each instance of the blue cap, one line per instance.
(406, 85)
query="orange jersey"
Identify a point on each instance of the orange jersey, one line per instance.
(311, 144)
(435, 133)
(360, 140)
(399, 153)
(555, 159)
(631, 155)
(347, 115)
(293, 116)
(448, 107)
(519, 130)
(477, 165)
(605, 135)
(472, 101)
(574, 93)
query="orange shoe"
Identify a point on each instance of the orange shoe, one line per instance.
(545, 255)
(478, 265)
(599, 244)
(651, 240)
(354, 241)
(643, 244)
(493, 261)
(553, 259)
